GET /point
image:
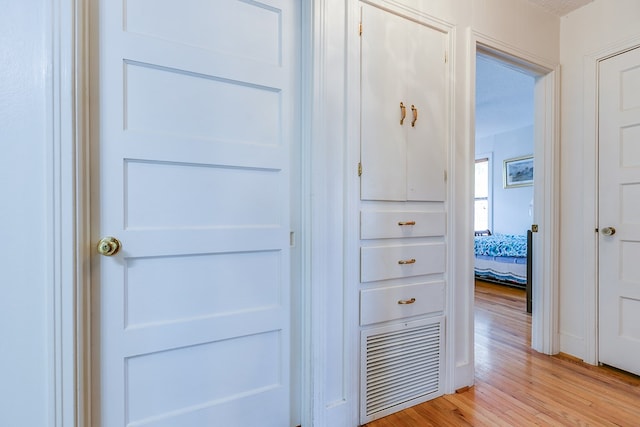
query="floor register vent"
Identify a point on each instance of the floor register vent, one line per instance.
(402, 366)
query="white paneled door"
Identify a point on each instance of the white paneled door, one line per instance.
(193, 125)
(619, 211)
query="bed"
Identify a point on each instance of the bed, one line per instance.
(504, 259)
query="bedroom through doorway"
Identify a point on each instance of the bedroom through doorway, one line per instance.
(504, 191)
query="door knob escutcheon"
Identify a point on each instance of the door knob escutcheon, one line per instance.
(109, 246)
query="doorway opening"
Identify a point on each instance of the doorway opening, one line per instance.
(504, 159)
(515, 132)
(503, 204)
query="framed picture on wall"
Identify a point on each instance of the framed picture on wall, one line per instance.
(518, 172)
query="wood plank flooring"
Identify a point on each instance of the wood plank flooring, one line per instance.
(516, 386)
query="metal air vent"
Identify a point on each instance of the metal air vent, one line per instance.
(402, 366)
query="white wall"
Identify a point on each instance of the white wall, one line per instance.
(584, 33)
(520, 24)
(24, 276)
(510, 206)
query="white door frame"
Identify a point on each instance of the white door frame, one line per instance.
(69, 201)
(590, 191)
(544, 329)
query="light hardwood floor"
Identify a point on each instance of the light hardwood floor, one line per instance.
(516, 386)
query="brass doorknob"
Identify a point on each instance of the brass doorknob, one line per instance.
(608, 231)
(109, 246)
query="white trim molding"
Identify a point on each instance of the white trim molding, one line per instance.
(68, 216)
(332, 311)
(306, 347)
(545, 288)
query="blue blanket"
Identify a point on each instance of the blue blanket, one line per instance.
(501, 245)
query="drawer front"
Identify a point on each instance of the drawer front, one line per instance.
(391, 262)
(397, 302)
(387, 225)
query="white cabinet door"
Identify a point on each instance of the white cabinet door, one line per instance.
(193, 128)
(619, 199)
(383, 86)
(403, 75)
(426, 88)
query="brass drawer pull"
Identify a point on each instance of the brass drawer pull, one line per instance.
(407, 301)
(401, 223)
(415, 115)
(407, 261)
(403, 113)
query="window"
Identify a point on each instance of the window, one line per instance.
(482, 191)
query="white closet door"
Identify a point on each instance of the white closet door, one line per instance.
(193, 128)
(619, 199)
(426, 90)
(383, 88)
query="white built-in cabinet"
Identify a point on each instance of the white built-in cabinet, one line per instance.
(403, 113)
(403, 141)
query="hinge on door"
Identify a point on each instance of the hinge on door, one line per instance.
(445, 175)
(359, 169)
(534, 228)
(360, 30)
(446, 58)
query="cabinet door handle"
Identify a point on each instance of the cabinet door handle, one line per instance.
(407, 301)
(401, 223)
(407, 261)
(403, 113)
(415, 115)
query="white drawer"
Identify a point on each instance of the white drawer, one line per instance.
(384, 304)
(397, 224)
(390, 262)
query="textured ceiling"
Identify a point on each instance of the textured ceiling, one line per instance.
(560, 7)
